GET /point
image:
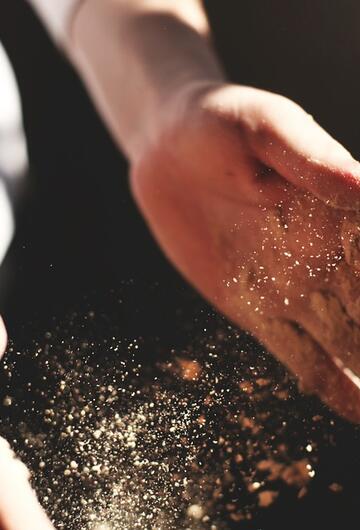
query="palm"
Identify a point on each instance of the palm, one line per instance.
(268, 254)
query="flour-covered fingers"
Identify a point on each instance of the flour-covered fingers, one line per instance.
(326, 319)
(345, 284)
(350, 237)
(318, 372)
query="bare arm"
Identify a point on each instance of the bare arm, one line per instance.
(134, 55)
(144, 60)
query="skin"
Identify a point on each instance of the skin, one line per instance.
(248, 197)
(19, 507)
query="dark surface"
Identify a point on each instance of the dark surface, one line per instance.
(82, 340)
(80, 234)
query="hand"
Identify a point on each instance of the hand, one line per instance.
(255, 204)
(19, 507)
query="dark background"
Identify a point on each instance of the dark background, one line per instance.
(80, 238)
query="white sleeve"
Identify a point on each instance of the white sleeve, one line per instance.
(13, 152)
(56, 16)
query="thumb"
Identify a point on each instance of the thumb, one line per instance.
(303, 153)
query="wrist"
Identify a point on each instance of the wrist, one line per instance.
(180, 107)
(136, 60)
(57, 17)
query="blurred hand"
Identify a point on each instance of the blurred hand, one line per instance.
(19, 507)
(256, 205)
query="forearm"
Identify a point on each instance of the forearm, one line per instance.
(134, 55)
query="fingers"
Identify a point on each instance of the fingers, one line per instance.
(350, 236)
(317, 372)
(293, 144)
(19, 507)
(346, 286)
(3, 337)
(345, 282)
(327, 321)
